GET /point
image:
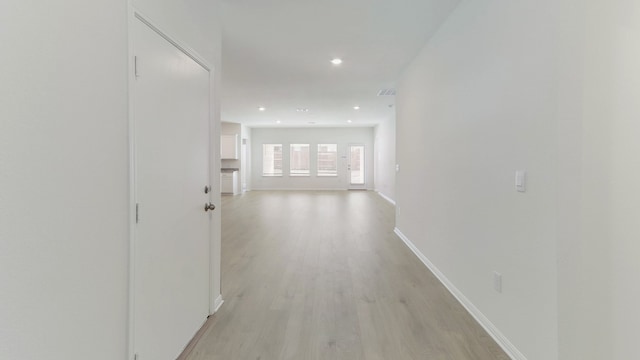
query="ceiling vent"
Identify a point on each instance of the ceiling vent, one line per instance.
(387, 92)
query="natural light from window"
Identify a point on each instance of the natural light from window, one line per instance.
(272, 160)
(299, 160)
(327, 160)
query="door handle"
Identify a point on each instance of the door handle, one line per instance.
(209, 206)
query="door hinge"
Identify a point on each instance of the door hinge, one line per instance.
(137, 213)
(135, 66)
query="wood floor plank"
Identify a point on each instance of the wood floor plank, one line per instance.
(321, 276)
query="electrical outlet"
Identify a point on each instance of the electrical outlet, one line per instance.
(497, 282)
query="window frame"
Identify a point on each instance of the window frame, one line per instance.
(318, 160)
(274, 160)
(298, 172)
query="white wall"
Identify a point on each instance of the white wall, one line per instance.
(623, 174)
(550, 87)
(385, 158)
(313, 136)
(584, 142)
(64, 181)
(598, 229)
(477, 104)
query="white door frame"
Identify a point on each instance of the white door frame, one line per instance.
(215, 297)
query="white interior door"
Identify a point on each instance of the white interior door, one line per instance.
(355, 167)
(171, 251)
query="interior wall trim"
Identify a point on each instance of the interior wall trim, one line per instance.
(217, 303)
(493, 331)
(387, 198)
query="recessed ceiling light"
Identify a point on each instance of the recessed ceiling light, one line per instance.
(356, 107)
(349, 121)
(262, 108)
(302, 110)
(336, 61)
(278, 121)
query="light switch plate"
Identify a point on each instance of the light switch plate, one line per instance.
(521, 180)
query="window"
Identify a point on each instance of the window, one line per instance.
(299, 161)
(272, 160)
(327, 160)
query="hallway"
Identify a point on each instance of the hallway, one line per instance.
(321, 275)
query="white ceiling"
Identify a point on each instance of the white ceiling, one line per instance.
(276, 54)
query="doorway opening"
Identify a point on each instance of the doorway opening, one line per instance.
(356, 167)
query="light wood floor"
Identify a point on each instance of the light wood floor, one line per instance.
(321, 275)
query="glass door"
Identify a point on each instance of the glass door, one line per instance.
(356, 167)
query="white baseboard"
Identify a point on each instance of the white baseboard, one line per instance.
(387, 198)
(217, 303)
(491, 329)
